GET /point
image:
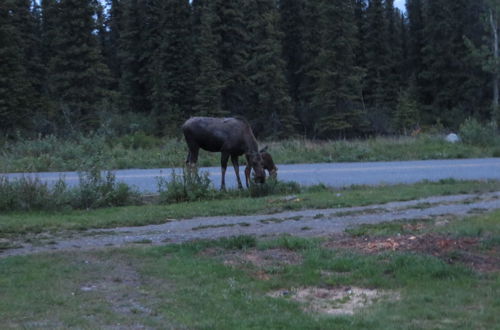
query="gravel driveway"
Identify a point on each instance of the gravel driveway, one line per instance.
(306, 223)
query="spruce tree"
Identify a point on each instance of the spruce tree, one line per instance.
(377, 87)
(134, 55)
(76, 75)
(292, 24)
(338, 91)
(269, 109)
(306, 113)
(233, 54)
(208, 82)
(451, 82)
(172, 67)
(14, 83)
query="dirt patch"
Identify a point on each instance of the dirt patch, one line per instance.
(335, 301)
(462, 250)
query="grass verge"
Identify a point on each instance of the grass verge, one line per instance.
(315, 197)
(142, 151)
(226, 284)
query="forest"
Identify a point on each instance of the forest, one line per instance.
(318, 69)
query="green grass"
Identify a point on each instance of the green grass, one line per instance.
(142, 151)
(182, 286)
(485, 227)
(15, 223)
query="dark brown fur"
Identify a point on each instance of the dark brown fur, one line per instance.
(229, 136)
(268, 164)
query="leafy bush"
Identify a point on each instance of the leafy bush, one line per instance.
(186, 187)
(472, 132)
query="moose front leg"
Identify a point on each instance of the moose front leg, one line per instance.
(234, 160)
(223, 165)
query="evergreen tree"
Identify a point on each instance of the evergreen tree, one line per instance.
(233, 54)
(377, 88)
(208, 83)
(292, 25)
(337, 94)
(306, 113)
(172, 67)
(451, 85)
(414, 9)
(134, 56)
(269, 108)
(114, 26)
(76, 75)
(394, 80)
(15, 87)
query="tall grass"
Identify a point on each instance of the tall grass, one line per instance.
(94, 191)
(190, 187)
(139, 150)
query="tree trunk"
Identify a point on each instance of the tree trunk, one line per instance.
(494, 29)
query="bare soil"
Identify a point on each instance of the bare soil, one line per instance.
(464, 250)
(305, 223)
(341, 300)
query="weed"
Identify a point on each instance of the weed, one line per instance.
(186, 187)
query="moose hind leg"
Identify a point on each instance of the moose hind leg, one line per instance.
(248, 169)
(223, 165)
(234, 160)
(192, 159)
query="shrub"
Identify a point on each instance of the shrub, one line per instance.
(30, 194)
(97, 191)
(186, 187)
(472, 132)
(27, 194)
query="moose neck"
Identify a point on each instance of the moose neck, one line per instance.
(251, 144)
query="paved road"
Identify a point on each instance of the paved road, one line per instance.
(333, 174)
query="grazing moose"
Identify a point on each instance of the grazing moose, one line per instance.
(268, 164)
(229, 136)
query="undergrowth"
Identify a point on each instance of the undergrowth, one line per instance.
(94, 191)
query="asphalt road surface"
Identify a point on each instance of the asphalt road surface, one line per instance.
(331, 174)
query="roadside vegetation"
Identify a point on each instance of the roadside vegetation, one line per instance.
(139, 150)
(278, 197)
(286, 282)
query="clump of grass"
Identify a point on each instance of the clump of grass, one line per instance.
(274, 187)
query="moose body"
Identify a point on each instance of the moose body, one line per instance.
(267, 164)
(232, 137)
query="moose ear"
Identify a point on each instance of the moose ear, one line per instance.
(264, 149)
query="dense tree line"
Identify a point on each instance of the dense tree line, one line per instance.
(315, 68)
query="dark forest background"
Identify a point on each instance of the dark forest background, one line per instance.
(311, 68)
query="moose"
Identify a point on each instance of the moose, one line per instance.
(268, 164)
(229, 136)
